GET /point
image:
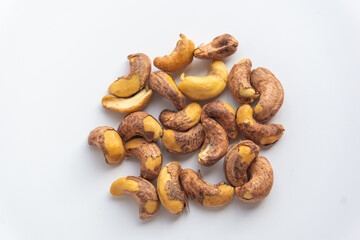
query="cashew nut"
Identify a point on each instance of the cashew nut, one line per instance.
(183, 142)
(171, 195)
(109, 142)
(202, 88)
(182, 120)
(204, 193)
(237, 161)
(239, 82)
(162, 83)
(140, 124)
(260, 183)
(263, 134)
(215, 144)
(180, 57)
(224, 114)
(135, 80)
(128, 105)
(271, 94)
(149, 155)
(220, 47)
(140, 189)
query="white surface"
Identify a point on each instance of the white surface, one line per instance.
(58, 58)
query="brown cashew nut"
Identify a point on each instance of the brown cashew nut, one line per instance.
(183, 142)
(109, 142)
(171, 195)
(263, 134)
(237, 160)
(180, 57)
(224, 114)
(271, 94)
(215, 145)
(220, 47)
(149, 155)
(140, 189)
(135, 80)
(204, 193)
(260, 183)
(182, 120)
(140, 124)
(162, 83)
(239, 82)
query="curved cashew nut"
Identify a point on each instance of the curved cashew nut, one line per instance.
(204, 193)
(135, 80)
(109, 142)
(149, 155)
(140, 124)
(219, 48)
(260, 184)
(140, 189)
(180, 57)
(263, 134)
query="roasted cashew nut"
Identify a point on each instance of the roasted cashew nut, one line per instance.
(140, 189)
(220, 47)
(109, 142)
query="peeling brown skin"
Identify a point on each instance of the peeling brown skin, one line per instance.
(159, 82)
(271, 94)
(260, 183)
(234, 168)
(144, 151)
(132, 125)
(219, 48)
(215, 145)
(226, 118)
(239, 77)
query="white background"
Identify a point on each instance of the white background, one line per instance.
(57, 59)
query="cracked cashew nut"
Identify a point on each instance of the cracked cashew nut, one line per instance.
(219, 48)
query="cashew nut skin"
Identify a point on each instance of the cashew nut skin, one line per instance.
(149, 155)
(271, 94)
(183, 142)
(239, 82)
(135, 80)
(219, 48)
(215, 145)
(224, 114)
(171, 195)
(162, 83)
(140, 189)
(109, 142)
(260, 183)
(140, 124)
(237, 160)
(182, 120)
(180, 57)
(130, 104)
(263, 134)
(204, 193)
(203, 88)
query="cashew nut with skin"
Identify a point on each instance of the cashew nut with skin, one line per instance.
(182, 120)
(140, 124)
(162, 83)
(220, 47)
(180, 57)
(204, 193)
(140, 189)
(135, 80)
(109, 142)
(171, 195)
(263, 134)
(260, 182)
(203, 88)
(149, 155)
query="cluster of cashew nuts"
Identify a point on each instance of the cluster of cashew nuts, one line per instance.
(208, 128)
